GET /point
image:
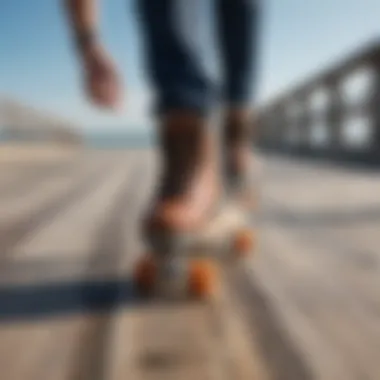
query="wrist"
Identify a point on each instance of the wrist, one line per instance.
(85, 41)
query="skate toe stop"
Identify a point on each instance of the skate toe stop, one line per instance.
(202, 278)
(243, 243)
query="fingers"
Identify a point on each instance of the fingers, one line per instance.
(103, 85)
(105, 92)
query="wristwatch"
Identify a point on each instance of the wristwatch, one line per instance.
(84, 39)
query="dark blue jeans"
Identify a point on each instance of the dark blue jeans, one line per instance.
(173, 62)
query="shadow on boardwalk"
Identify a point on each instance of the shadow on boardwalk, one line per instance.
(37, 297)
(31, 302)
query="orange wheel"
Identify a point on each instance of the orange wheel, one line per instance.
(145, 274)
(243, 243)
(203, 277)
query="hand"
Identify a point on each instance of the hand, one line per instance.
(102, 82)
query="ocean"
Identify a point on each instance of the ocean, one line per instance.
(102, 140)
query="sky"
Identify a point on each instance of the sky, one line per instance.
(38, 65)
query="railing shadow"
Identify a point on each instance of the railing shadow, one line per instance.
(20, 303)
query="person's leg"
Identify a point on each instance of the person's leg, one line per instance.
(238, 29)
(175, 73)
(188, 186)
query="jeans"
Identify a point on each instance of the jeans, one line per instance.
(175, 69)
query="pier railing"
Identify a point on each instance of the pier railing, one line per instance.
(335, 114)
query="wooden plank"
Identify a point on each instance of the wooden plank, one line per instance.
(321, 296)
(184, 341)
(309, 309)
(78, 223)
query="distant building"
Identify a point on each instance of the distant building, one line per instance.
(19, 122)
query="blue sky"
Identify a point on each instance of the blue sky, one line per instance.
(37, 64)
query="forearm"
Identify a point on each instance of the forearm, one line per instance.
(83, 18)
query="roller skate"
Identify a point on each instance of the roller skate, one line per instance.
(172, 267)
(229, 235)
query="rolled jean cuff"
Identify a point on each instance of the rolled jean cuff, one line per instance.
(240, 95)
(196, 101)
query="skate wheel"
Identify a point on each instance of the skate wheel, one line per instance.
(202, 278)
(145, 274)
(243, 243)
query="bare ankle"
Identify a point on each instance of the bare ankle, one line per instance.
(237, 127)
(182, 121)
(236, 115)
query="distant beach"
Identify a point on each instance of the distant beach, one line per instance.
(103, 140)
(115, 140)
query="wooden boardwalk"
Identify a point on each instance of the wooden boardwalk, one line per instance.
(310, 299)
